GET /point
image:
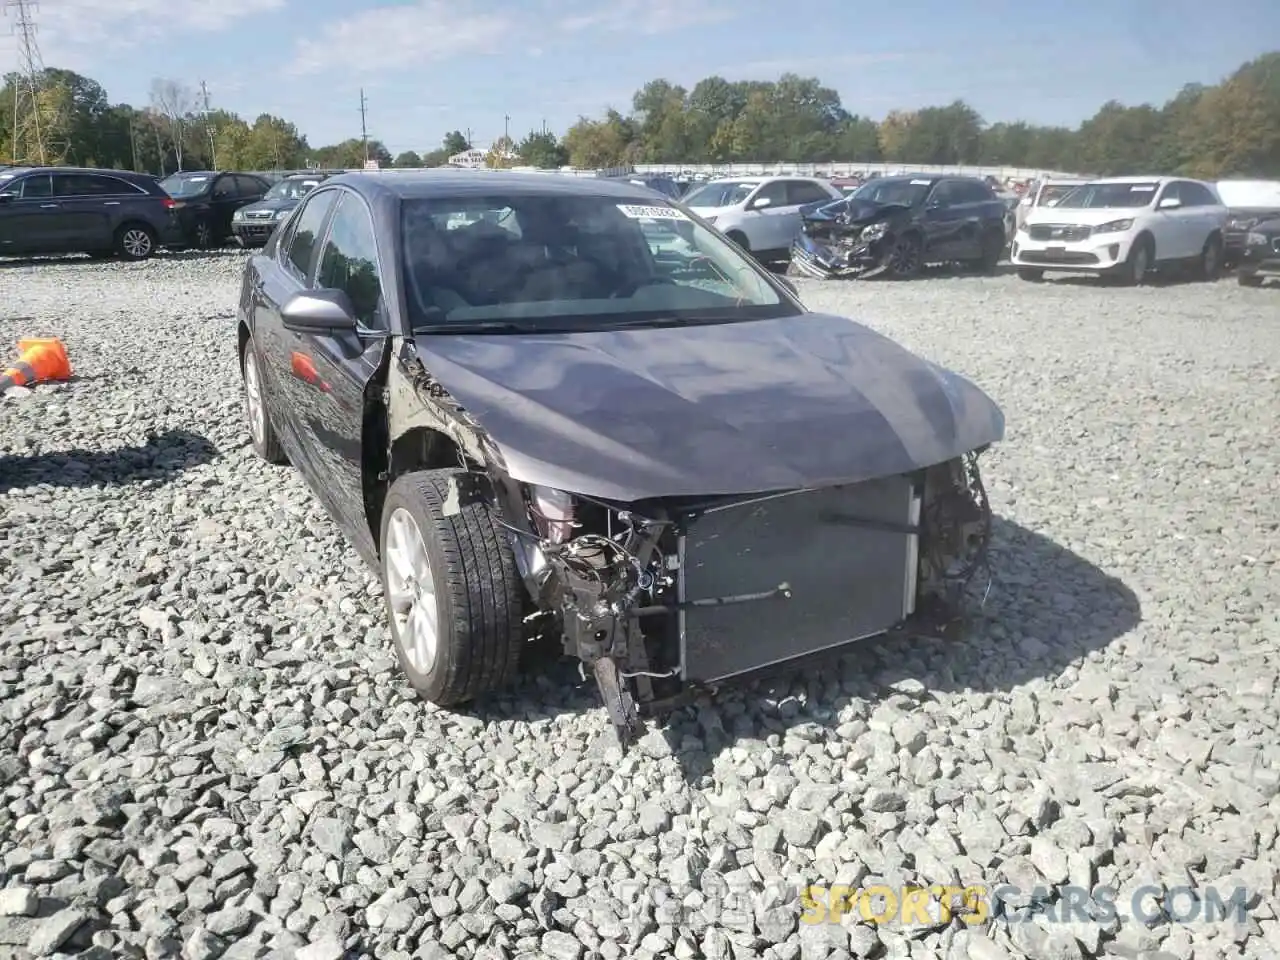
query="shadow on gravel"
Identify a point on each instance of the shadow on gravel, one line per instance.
(162, 457)
(1046, 607)
(78, 260)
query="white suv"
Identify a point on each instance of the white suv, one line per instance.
(759, 214)
(1123, 226)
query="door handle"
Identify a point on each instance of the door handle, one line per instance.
(111, 203)
(50, 206)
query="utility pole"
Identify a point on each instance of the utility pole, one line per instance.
(468, 138)
(364, 130)
(208, 130)
(29, 139)
(506, 129)
(133, 141)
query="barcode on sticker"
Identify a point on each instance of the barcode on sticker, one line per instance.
(650, 213)
(921, 183)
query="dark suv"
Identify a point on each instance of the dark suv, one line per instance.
(74, 210)
(206, 201)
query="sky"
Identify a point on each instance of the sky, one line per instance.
(428, 67)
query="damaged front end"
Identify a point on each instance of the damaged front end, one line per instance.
(834, 244)
(663, 600)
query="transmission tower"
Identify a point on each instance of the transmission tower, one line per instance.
(34, 114)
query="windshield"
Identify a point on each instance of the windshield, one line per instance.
(185, 185)
(291, 189)
(549, 261)
(905, 191)
(722, 193)
(1104, 195)
(1263, 194)
(1054, 192)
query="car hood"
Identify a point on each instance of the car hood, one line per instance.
(739, 408)
(269, 205)
(1084, 216)
(857, 212)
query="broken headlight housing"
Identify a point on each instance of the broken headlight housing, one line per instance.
(553, 513)
(874, 232)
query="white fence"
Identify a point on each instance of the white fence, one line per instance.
(844, 169)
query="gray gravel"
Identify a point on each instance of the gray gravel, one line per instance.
(206, 749)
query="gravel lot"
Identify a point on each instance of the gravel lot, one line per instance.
(206, 748)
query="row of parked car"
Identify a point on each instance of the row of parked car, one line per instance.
(1123, 227)
(120, 213)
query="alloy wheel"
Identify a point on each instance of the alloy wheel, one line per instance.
(255, 411)
(411, 591)
(905, 257)
(136, 243)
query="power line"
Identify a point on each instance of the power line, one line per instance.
(30, 134)
(364, 130)
(208, 130)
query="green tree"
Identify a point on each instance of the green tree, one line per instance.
(454, 143)
(542, 150)
(408, 159)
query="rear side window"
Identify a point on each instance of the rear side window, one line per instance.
(90, 185)
(306, 231)
(974, 191)
(802, 191)
(1196, 194)
(35, 187)
(249, 186)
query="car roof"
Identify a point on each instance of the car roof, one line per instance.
(107, 171)
(1155, 179)
(443, 182)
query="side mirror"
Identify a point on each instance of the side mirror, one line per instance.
(761, 202)
(319, 311)
(1169, 203)
(6, 198)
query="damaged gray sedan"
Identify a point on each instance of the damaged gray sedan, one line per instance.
(527, 397)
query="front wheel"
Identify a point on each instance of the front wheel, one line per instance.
(1211, 259)
(135, 241)
(1135, 269)
(993, 245)
(452, 591)
(203, 234)
(1030, 274)
(906, 257)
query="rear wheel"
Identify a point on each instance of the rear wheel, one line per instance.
(203, 234)
(740, 238)
(135, 241)
(265, 442)
(1030, 274)
(452, 591)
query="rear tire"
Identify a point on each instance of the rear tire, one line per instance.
(453, 594)
(1030, 274)
(266, 444)
(135, 241)
(203, 234)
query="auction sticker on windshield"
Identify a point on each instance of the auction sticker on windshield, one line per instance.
(650, 213)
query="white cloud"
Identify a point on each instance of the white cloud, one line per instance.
(646, 18)
(384, 38)
(78, 33)
(806, 66)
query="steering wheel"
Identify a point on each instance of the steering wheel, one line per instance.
(630, 288)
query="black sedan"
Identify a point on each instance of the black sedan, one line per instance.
(205, 201)
(894, 226)
(1260, 255)
(514, 396)
(254, 222)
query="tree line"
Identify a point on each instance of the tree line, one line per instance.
(1212, 131)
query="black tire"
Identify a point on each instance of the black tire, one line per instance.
(1137, 267)
(266, 443)
(906, 258)
(1210, 266)
(993, 245)
(740, 238)
(135, 241)
(477, 590)
(202, 234)
(1248, 280)
(1030, 274)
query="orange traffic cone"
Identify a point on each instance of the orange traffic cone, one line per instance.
(40, 359)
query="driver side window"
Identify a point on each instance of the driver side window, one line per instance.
(775, 192)
(299, 249)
